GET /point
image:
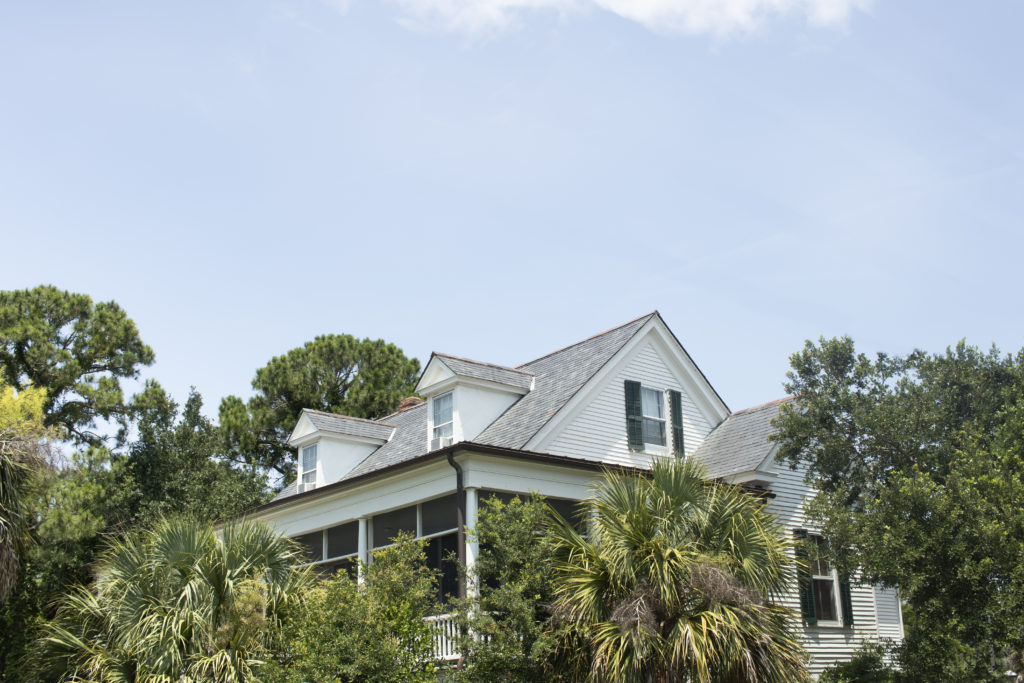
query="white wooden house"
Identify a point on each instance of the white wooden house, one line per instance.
(619, 398)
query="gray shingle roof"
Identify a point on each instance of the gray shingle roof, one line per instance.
(486, 371)
(740, 443)
(559, 376)
(410, 440)
(556, 378)
(353, 426)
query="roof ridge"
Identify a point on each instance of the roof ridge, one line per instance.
(349, 417)
(480, 362)
(591, 337)
(762, 406)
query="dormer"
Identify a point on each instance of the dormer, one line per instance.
(466, 396)
(328, 446)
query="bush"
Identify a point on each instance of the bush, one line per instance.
(372, 632)
(869, 664)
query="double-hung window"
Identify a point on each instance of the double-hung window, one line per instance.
(649, 420)
(443, 416)
(653, 404)
(307, 472)
(823, 580)
(825, 597)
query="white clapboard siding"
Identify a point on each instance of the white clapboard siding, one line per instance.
(598, 431)
(826, 645)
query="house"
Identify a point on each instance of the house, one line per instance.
(617, 399)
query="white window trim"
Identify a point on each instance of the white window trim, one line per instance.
(434, 425)
(301, 472)
(657, 449)
(834, 576)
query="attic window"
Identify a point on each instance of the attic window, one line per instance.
(443, 416)
(307, 473)
(654, 416)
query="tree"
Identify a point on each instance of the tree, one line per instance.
(177, 601)
(334, 373)
(73, 349)
(673, 582)
(372, 632)
(920, 464)
(21, 455)
(175, 466)
(507, 634)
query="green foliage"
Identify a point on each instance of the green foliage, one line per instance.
(73, 349)
(920, 462)
(21, 457)
(176, 601)
(372, 632)
(334, 373)
(868, 665)
(174, 467)
(673, 582)
(507, 634)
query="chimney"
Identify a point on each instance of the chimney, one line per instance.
(410, 402)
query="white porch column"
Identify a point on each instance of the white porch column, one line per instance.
(472, 546)
(362, 547)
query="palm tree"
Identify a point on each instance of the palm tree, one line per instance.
(674, 581)
(22, 448)
(175, 602)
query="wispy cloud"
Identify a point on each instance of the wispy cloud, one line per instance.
(716, 17)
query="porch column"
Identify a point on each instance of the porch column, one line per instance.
(362, 548)
(472, 546)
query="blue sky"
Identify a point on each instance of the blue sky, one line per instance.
(499, 179)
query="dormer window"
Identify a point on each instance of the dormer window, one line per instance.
(307, 470)
(443, 410)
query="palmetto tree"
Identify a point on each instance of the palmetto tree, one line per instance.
(674, 581)
(175, 602)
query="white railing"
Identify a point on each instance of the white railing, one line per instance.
(445, 634)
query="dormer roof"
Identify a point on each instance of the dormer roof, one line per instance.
(442, 366)
(344, 425)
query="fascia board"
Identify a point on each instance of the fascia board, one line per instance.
(337, 436)
(429, 377)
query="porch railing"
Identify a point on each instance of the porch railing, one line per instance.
(445, 633)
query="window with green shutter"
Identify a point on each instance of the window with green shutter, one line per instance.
(634, 416)
(675, 404)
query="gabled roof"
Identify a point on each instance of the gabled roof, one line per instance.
(520, 379)
(352, 426)
(555, 378)
(740, 443)
(559, 376)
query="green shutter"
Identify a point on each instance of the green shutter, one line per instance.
(675, 408)
(846, 600)
(804, 583)
(634, 416)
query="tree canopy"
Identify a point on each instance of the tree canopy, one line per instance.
(75, 350)
(920, 464)
(334, 373)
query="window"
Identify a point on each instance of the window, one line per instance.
(646, 420)
(823, 581)
(443, 416)
(308, 471)
(653, 404)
